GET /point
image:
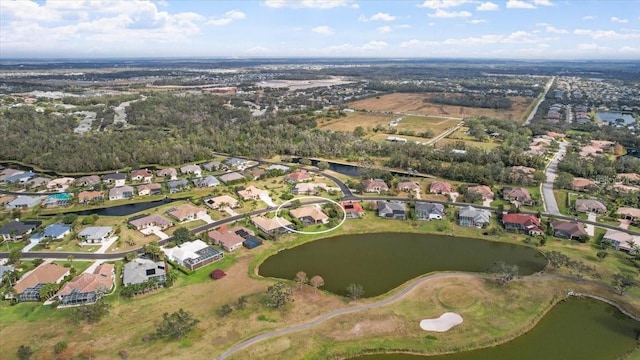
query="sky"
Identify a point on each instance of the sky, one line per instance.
(511, 29)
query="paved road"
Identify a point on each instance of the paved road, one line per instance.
(540, 100)
(391, 299)
(549, 200)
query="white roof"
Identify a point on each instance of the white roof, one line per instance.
(95, 232)
(185, 251)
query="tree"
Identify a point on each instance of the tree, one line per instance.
(316, 282)
(225, 310)
(242, 302)
(503, 272)
(24, 352)
(323, 165)
(152, 251)
(359, 132)
(301, 279)
(48, 290)
(278, 295)
(176, 325)
(623, 282)
(182, 235)
(557, 259)
(60, 346)
(305, 161)
(92, 312)
(69, 219)
(70, 259)
(355, 291)
(15, 256)
(602, 254)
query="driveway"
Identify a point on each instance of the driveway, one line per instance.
(106, 245)
(229, 211)
(267, 200)
(487, 202)
(206, 218)
(624, 224)
(589, 228)
(549, 200)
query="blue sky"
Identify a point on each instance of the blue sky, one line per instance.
(517, 29)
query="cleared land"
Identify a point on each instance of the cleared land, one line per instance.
(468, 140)
(411, 103)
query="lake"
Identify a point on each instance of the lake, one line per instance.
(584, 329)
(612, 117)
(126, 209)
(383, 261)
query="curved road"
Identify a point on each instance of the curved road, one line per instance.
(391, 299)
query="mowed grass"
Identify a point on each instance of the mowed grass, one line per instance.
(414, 103)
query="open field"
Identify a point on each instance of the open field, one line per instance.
(412, 103)
(196, 293)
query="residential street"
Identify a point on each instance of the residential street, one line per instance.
(550, 204)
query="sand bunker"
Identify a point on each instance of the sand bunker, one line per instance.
(445, 322)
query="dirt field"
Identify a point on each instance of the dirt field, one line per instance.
(414, 104)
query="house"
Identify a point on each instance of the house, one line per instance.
(205, 182)
(17, 230)
(117, 179)
(121, 192)
(308, 188)
(237, 164)
(521, 174)
(140, 270)
(517, 196)
(212, 166)
(177, 185)
(56, 231)
(5, 199)
(392, 210)
(231, 177)
(60, 183)
(95, 234)
(621, 240)
(483, 190)
(87, 288)
(222, 201)
(9, 173)
(470, 216)
(590, 205)
(270, 226)
(28, 287)
(429, 211)
(37, 182)
(352, 209)
(85, 197)
(310, 215)
(628, 177)
(153, 220)
(193, 254)
(19, 177)
(171, 173)
(186, 212)
(191, 170)
(149, 189)
(374, 186)
(143, 175)
(582, 184)
(528, 224)
(252, 193)
(278, 167)
(90, 180)
(231, 239)
(570, 230)
(409, 186)
(629, 213)
(296, 177)
(23, 202)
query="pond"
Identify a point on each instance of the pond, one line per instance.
(383, 261)
(584, 329)
(616, 118)
(126, 209)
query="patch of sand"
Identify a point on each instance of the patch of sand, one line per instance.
(445, 322)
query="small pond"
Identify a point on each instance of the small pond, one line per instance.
(582, 329)
(383, 261)
(126, 209)
(616, 118)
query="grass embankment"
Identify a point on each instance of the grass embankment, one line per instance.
(44, 326)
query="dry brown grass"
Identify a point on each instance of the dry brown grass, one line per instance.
(353, 120)
(415, 104)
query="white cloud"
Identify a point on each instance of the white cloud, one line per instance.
(588, 17)
(404, 26)
(431, 24)
(543, 2)
(323, 29)
(520, 37)
(470, 41)
(619, 20)
(374, 45)
(443, 14)
(487, 6)
(477, 21)
(377, 17)
(355, 6)
(630, 50)
(606, 34)
(298, 4)
(443, 4)
(518, 4)
(589, 46)
(228, 18)
(258, 50)
(554, 30)
(384, 29)
(417, 43)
